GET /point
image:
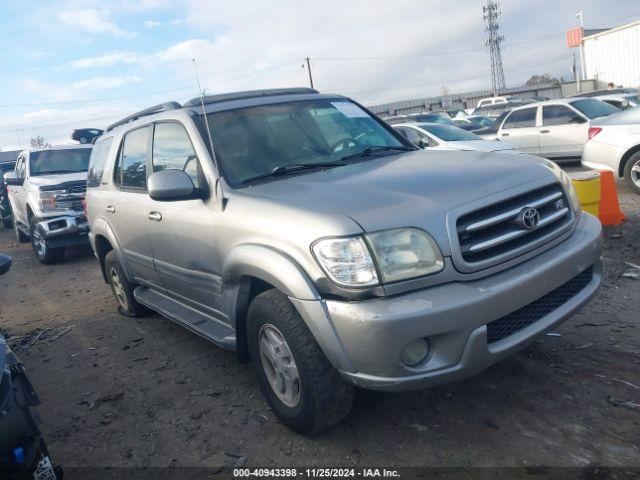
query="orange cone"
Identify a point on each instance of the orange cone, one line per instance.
(610, 213)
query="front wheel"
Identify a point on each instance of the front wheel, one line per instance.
(632, 172)
(44, 253)
(303, 389)
(121, 288)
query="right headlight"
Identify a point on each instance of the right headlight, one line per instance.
(398, 254)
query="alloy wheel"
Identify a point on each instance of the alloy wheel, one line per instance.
(635, 173)
(118, 289)
(279, 365)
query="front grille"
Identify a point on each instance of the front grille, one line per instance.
(495, 233)
(78, 188)
(516, 321)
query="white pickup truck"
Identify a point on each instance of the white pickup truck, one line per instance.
(46, 191)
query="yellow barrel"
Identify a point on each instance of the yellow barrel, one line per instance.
(587, 185)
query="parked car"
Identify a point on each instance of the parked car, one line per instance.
(494, 106)
(491, 132)
(306, 234)
(46, 192)
(420, 117)
(614, 144)
(622, 102)
(448, 137)
(86, 135)
(473, 122)
(555, 129)
(6, 214)
(23, 451)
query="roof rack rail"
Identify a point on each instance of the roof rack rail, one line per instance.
(225, 97)
(162, 107)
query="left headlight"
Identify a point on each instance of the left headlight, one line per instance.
(570, 190)
(405, 253)
(48, 199)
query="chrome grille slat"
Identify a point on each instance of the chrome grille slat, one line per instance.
(495, 233)
(517, 233)
(512, 213)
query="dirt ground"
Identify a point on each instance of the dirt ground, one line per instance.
(144, 392)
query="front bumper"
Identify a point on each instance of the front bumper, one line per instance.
(453, 317)
(64, 231)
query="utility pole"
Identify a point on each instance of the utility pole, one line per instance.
(583, 69)
(309, 71)
(490, 14)
(576, 77)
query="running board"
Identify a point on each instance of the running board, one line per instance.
(204, 325)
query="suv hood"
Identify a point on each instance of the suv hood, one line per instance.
(47, 180)
(410, 189)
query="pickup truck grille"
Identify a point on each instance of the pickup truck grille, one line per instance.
(514, 226)
(73, 197)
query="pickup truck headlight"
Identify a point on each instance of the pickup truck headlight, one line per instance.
(48, 200)
(399, 254)
(405, 253)
(570, 190)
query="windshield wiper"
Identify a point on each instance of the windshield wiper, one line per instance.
(296, 167)
(377, 148)
(56, 172)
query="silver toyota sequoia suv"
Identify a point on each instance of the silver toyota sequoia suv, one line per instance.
(303, 232)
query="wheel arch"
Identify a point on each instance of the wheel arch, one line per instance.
(625, 158)
(104, 240)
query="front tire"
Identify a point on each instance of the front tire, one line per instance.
(121, 288)
(44, 253)
(632, 172)
(303, 389)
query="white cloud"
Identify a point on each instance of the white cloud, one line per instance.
(107, 60)
(105, 83)
(151, 23)
(93, 21)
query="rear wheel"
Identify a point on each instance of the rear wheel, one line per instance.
(303, 389)
(632, 172)
(121, 288)
(44, 253)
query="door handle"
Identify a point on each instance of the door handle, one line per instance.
(111, 209)
(505, 134)
(156, 216)
(544, 131)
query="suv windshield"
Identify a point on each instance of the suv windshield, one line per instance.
(449, 133)
(254, 141)
(48, 162)
(593, 108)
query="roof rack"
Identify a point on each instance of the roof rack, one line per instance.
(162, 107)
(225, 97)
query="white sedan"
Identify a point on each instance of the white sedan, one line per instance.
(614, 144)
(449, 137)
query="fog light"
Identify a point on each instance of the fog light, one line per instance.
(415, 352)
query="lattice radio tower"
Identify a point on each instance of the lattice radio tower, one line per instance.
(491, 11)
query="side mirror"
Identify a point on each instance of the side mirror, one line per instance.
(422, 143)
(171, 185)
(5, 263)
(11, 179)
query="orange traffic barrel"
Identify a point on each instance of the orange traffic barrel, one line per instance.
(610, 213)
(587, 185)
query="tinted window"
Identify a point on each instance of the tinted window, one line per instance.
(97, 162)
(557, 115)
(412, 135)
(131, 171)
(50, 162)
(172, 150)
(521, 118)
(593, 108)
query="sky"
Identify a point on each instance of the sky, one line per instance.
(82, 63)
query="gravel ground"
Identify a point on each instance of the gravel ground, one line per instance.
(144, 392)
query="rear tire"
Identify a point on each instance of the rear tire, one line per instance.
(632, 172)
(44, 253)
(282, 348)
(7, 223)
(121, 288)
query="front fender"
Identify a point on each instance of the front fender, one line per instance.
(270, 265)
(99, 227)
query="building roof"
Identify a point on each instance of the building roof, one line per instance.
(589, 34)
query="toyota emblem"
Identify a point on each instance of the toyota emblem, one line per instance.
(528, 218)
